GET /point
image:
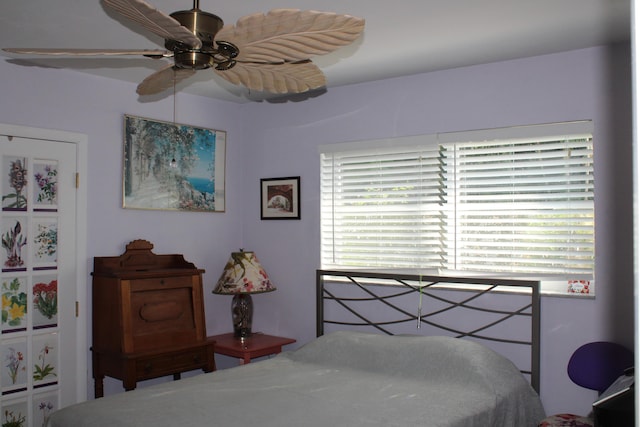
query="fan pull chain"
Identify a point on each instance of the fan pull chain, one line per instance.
(173, 164)
(420, 304)
(174, 96)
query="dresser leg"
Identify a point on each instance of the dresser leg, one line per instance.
(98, 386)
(98, 376)
(129, 385)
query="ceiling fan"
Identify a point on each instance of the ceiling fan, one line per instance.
(264, 52)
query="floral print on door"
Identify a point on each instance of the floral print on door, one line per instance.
(14, 184)
(45, 360)
(45, 243)
(45, 188)
(14, 242)
(45, 301)
(43, 405)
(14, 304)
(15, 414)
(29, 272)
(14, 365)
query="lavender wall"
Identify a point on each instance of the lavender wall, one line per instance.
(587, 84)
(271, 140)
(68, 100)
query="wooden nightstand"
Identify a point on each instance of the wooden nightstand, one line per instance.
(256, 345)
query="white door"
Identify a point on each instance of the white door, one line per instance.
(43, 329)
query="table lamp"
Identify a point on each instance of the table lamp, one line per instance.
(242, 276)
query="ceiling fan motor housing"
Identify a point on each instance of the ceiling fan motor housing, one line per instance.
(205, 26)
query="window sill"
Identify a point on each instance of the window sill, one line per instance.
(557, 294)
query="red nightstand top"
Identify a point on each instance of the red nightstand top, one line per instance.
(256, 345)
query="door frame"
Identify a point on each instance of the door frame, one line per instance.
(81, 144)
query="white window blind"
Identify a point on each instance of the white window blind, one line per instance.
(462, 202)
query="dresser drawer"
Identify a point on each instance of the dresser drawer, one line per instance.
(166, 282)
(153, 366)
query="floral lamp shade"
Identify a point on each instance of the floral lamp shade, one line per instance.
(242, 276)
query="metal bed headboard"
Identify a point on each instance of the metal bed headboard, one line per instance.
(502, 313)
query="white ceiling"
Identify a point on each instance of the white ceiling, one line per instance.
(401, 37)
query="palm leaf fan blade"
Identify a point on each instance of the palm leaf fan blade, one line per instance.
(276, 78)
(88, 52)
(163, 79)
(154, 20)
(290, 34)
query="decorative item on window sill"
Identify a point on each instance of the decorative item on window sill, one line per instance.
(578, 286)
(242, 276)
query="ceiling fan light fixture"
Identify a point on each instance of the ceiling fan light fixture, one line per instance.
(193, 59)
(205, 26)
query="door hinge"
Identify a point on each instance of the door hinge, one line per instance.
(77, 180)
(77, 309)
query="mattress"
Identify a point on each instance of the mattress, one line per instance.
(340, 379)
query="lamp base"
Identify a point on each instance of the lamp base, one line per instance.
(242, 315)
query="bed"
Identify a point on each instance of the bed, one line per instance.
(343, 378)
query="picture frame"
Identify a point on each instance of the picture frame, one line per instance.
(172, 166)
(280, 198)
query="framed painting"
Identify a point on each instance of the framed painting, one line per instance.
(171, 166)
(280, 198)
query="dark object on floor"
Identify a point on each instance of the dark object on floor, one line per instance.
(596, 366)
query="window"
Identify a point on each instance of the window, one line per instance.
(508, 201)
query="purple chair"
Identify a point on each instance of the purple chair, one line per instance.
(595, 366)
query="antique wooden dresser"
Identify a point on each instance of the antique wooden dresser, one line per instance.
(148, 317)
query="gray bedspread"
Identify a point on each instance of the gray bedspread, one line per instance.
(341, 379)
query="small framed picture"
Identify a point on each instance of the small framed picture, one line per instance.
(280, 198)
